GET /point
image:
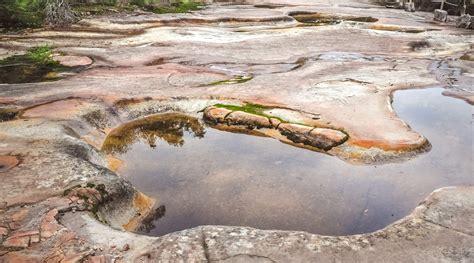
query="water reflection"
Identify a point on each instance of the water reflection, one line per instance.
(168, 127)
(236, 179)
(149, 222)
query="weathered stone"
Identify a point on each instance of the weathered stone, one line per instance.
(318, 137)
(3, 231)
(248, 119)
(126, 247)
(327, 138)
(7, 162)
(215, 115)
(97, 259)
(20, 239)
(49, 225)
(73, 61)
(440, 15)
(23, 241)
(365, 113)
(275, 122)
(465, 21)
(34, 239)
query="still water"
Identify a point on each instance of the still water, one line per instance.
(204, 176)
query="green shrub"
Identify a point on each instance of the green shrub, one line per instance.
(21, 13)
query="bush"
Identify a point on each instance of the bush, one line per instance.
(21, 13)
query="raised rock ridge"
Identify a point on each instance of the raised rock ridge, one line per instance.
(321, 138)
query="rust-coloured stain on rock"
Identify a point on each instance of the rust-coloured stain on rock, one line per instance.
(7, 162)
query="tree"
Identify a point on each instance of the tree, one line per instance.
(59, 12)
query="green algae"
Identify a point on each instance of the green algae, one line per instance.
(235, 80)
(181, 6)
(251, 108)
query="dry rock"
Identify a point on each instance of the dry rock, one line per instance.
(318, 137)
(248, 119)
(216, 115)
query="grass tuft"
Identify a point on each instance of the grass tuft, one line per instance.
(251, 108)
(41, 55)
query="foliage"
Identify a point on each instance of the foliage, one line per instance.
(58, 12)
(162, 7)
(235, 80)
(35, 65)
(34, 13)
(21, 13)
(37, 55)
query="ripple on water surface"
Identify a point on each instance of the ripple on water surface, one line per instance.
(203, 176)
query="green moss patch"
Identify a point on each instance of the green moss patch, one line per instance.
(37, 55)
(235, 80)
(251, 108)
(158, 7)
(17, 14)
(101, 8)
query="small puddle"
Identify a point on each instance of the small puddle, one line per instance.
(321, 19)
(203, 176)
(36, 65)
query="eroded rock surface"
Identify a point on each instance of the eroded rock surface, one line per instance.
(60, 202)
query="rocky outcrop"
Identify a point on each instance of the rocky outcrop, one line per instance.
(321, 138)
(440, 15)
(465, 21)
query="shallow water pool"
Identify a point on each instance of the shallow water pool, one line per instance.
(204, 176)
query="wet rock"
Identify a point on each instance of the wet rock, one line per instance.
(216, 115)
(440, 15)
(317, 137)
(465, 21)
(248, 119)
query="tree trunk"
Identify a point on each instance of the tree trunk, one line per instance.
(58, 12)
